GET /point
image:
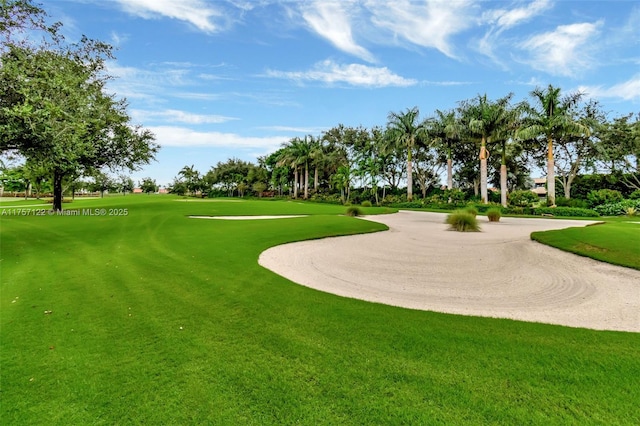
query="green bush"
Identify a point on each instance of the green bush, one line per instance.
(617, 209)
(494, 214)
(463, 221)
(571, 202)
(635, 195)
(603, 196)
(565, 211)
(523, 198)
(366, 203)
(455, 195)
(353, 211)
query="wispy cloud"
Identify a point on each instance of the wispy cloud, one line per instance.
(564, 51)
(201, 14)
(185, 137)
(504, 19)
(500, 20)
(303, 130)
(330, 20)
(177, 116)
(330, 72)
(628, 90)
(430, 24)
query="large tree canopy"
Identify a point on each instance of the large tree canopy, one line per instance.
(55, 111)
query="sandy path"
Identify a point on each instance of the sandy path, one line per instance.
(499, 272)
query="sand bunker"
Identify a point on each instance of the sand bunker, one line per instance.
(499, 272)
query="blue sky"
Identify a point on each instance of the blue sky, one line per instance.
(236, 78)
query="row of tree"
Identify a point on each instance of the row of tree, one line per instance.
(36, 183)
(567, 136)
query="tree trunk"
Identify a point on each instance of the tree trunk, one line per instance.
(306, 181)
(409, 177)
(551, 178)
(503, 185)
(295, 182)
(483, 171)
(315, 179)
(449, 173)
(57, 191)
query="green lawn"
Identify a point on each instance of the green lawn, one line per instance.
(615, 242)
(161, 319)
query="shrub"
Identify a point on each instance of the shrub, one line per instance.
(523, 198)
(366, 203)
(565, 211)
(635, 195)
(603, 196)
(463, 221)
(494, 214)
(455, 195)
(617, 209)
(571, 202)
(353, 211)
(631, 211)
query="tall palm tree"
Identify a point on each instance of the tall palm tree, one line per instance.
(406, 129)
(445, 129)
(488, 118)
(288, 157)
(550, 119)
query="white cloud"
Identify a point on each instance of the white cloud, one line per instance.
(198, 13)
(508, 18)
(628, 90)
(354, 74)
(500, 20)
(305, 130)
(430, 24)
(330, 19)
(184, 137)
(176, 116)
(564, 51)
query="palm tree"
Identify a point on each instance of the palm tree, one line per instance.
(406, 129)
(287, 157)
(487, 120)
(445, 129)
(551, 119)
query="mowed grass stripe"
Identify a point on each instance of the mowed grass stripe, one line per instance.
(255, 348)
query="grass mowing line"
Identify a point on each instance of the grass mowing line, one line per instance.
(611, 242)
(255, 348)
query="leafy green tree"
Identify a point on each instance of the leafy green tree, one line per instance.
(548, 120)
(192, 179)
(148, 185)
(54, 109)
(125, 184)
(619, 148)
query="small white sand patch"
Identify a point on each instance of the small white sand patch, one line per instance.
(245, 217)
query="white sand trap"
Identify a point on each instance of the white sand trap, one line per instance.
(246, 217)
(499, 272)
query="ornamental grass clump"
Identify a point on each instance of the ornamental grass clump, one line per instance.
(354, 211)
(463, 221)
(494, 215)
(472, 210)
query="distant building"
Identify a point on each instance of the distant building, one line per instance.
(539, 187)
(137, 190)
